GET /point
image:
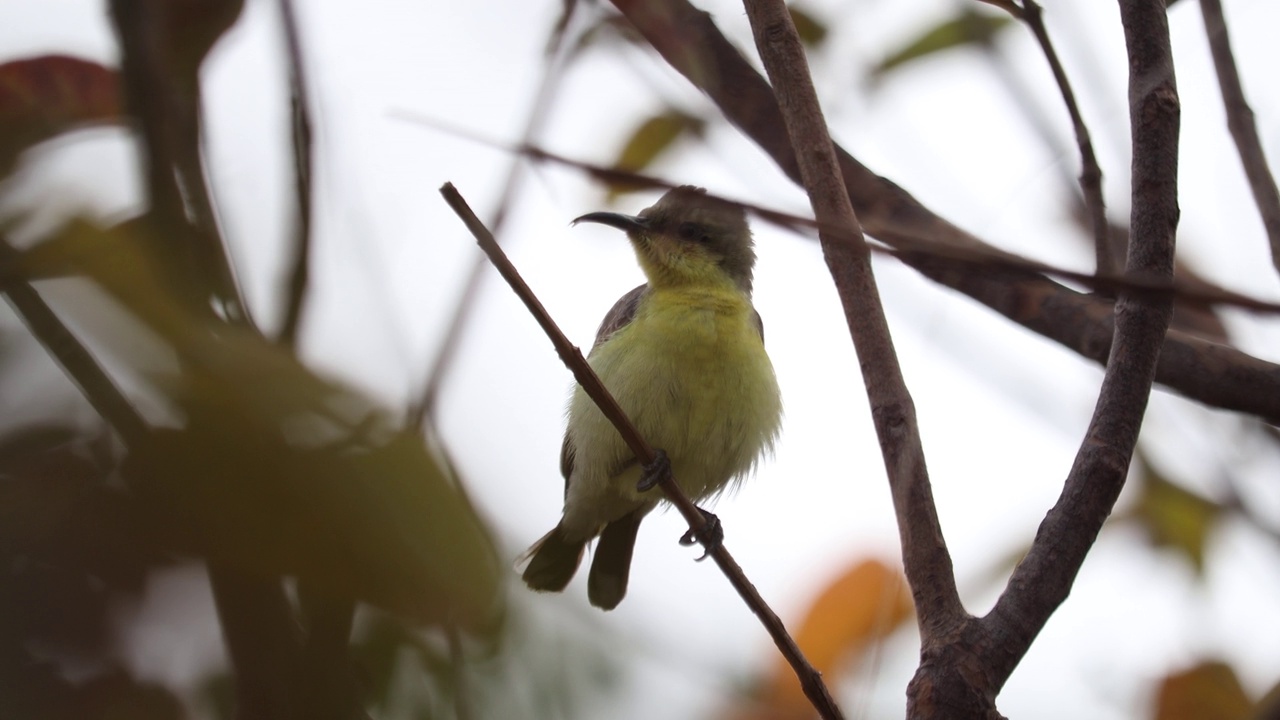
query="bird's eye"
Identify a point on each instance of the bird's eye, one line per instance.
(691, 231)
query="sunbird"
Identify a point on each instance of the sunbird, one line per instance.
(684, 356)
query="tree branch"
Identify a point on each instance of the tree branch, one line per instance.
(924, 551)
(1240, 122)
(1041, 582)
(690, 42)
(572, 357)
(1090, 173)
(303, 165)
(77, 362)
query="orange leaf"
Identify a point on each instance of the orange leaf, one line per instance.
(859, 608)
(1209, 691)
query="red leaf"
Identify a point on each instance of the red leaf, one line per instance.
(44, 96)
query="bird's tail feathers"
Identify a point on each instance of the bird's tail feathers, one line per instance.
(611, 568)
(552, 561)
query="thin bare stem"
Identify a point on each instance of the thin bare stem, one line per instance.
(1041, 582)
(1108, 259)
(572, 357)
(1240, 122)
(552, 73)
(929, 256)
(303, 164)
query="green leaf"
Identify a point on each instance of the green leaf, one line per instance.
(1172, 516)
(280, 472)
(650, 139)
(812, 30)
(968, 27)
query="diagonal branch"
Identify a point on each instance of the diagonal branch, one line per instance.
(924, 550)
(1043, 579)
(76, 360)
(572, 357)
(1240, 122)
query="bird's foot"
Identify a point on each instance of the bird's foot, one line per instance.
(653, 473)
(711, 535)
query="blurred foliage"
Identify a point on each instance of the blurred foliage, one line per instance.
(812, 30)
(44, 96)
(654, 136)
(1208, 691)
(253, 463)
(1171, 516)
(968, 27)
(841, 628)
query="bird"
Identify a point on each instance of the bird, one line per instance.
(684, 356)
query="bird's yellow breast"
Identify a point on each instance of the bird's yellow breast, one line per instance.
(691, 371)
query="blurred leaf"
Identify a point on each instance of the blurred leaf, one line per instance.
(1209, 691)
(118, 696)
(32, 689)
(216, 695)
(968, 27)
(1008, 6)
(56, 507)
(278, 472)
(69, 543)
(45, 96)
(39, 480)
(377, 650)
(61, 610)
(1268, 708)
(850, 615)
(649, 140)
(1172, 516)
(610, 29)
(812, 30)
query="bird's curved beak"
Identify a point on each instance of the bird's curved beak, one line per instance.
(626, 223)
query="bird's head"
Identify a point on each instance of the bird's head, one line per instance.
(687, 238)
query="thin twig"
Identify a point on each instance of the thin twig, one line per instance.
(590, 383)
(924, 552)
(1107, 257)
(1240, 122)
(548, 86)
(76, 360)
(1041, 582)
(303, 163)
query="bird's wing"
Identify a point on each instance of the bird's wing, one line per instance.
(620, 315)
(617, 318)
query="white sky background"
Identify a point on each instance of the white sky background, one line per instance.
(1001, 410)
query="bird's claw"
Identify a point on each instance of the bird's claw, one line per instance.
(654, 472)
(710, 535)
